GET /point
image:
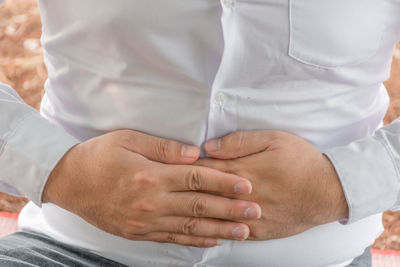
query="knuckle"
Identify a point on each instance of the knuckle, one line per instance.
(144, 206)
(136, 227)
(194, 180)
(143, 179)
(125, 138)
(240, 140)
(172, 238)
(161, 148)
(232, 211)
(198, 206)
(189, 226)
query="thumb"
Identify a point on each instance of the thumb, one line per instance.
(160, 149)
(238, 144)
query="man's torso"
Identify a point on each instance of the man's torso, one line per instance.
(196, 70)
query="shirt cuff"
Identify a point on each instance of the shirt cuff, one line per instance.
(368, 175)
(30, 152)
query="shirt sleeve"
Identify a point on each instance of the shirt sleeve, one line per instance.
(369, 172)
(30, 147)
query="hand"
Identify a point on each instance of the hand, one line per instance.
(114, 183)
(296, 186)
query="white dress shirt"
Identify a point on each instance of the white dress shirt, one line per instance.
(195, 70)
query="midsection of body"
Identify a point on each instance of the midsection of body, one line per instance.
(196, 70)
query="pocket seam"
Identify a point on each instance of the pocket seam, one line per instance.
(291, 55)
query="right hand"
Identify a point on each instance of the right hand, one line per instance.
(117, 183)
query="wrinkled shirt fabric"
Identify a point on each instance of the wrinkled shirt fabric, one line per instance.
(197, 70)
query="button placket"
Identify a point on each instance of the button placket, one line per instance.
(228, 3)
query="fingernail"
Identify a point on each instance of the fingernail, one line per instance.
(242, 188)
(240, 233)
(252, 213)
(213, 145)
(210, 242)
(189, 151)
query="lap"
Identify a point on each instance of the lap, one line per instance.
(25, 249)
(33, 249)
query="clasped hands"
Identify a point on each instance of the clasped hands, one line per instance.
(255, 185)
(295, 184)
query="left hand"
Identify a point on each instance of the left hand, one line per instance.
(295, 184)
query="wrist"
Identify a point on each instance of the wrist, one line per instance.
(339, 209)
(57, 183)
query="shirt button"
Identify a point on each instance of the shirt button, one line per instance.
(228, 3)
(219, 98)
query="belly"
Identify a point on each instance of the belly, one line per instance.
(327, 245)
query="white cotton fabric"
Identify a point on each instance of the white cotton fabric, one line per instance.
(197, 70)
(30, 147)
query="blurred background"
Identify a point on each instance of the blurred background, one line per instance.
(21, 66)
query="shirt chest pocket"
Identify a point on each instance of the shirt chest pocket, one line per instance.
(335, 33)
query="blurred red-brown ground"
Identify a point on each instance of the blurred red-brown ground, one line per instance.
(21, 66)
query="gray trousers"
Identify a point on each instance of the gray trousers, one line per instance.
(32, 249)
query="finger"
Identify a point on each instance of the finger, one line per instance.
(204, 227)
(191, 204)
(195, 178)
(180, 239)
(238, 144)
(223, 165)
(159, 149)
